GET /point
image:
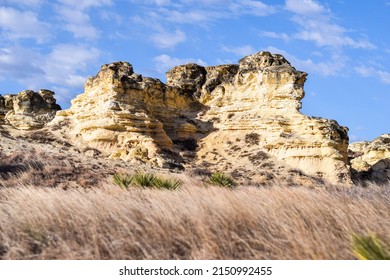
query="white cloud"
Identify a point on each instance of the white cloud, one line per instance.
(29, 3)
(84, 4)
(165, 39)
(20, 63)
(65, 63)
(323, 32)
(315, 24)
(332, 66)
(74, 14)
(251, 7)
(366, 71)
(65, 66)
(240, 51)
(17, 24)
(78, 23)
(304, 7)
(162, 2)
(283, 36)
(202, 12)
(165, 62)
(195, 16)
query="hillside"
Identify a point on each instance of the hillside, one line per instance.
(301, 190)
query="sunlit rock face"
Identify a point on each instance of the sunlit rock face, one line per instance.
(28, 109)
(370, 160)
(220, 117)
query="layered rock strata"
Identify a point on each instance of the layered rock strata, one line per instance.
(28, 109)
(370, 160)
(128, 116)
(226, 117)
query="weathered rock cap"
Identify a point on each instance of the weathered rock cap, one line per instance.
(28, 109)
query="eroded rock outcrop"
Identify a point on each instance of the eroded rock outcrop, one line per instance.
(261, 101)
(28, 109)
(370, 160)
(127, 116)
(227, 117)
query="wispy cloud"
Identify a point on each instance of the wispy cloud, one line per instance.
(66, 63)
(78, 23)
(27, 3)
(162, 15)
(240, 51)
(84, 4)
(165, 62)
(275, 35)
(305, 7)
(76, 18)
(315, 23)
(16, 24)
(19, 63)
(64, 66)
(367, 71)
(166, 39)
(334, 65)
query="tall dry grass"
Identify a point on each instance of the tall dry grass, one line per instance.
(196, 222)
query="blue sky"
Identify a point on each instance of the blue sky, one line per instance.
(343, 45)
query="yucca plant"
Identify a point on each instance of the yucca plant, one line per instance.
(145, 180)
(168, 184)
(220, 179)
(123, 180)
(369, 247)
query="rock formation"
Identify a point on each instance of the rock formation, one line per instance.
(260, 100)
(227, 117)
(28, 109)
(371, 160)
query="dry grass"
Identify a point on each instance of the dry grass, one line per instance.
(39, 168)
(196, 222)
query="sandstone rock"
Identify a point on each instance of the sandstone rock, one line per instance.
(28, 109)
(224, 117)
(264, 97)
(371, 160)
(126, 115)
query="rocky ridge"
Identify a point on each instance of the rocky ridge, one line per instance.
(228, 117)
(28, 109)
(243, 119)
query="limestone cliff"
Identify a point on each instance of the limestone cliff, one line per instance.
(127, 116)
(28, 109)
(371, 160)
(254, 108)
(228, 117)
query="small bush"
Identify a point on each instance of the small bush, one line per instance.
(145, 180)
(220, 179)
(123, 181)
(252, 138)
(369, 248)
(168, 184)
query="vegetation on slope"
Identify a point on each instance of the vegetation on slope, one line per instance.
(194, 222)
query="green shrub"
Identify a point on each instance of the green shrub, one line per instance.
(369, 247)
(123, 181)
(169, 184)
(220, 179)
(145, 180)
